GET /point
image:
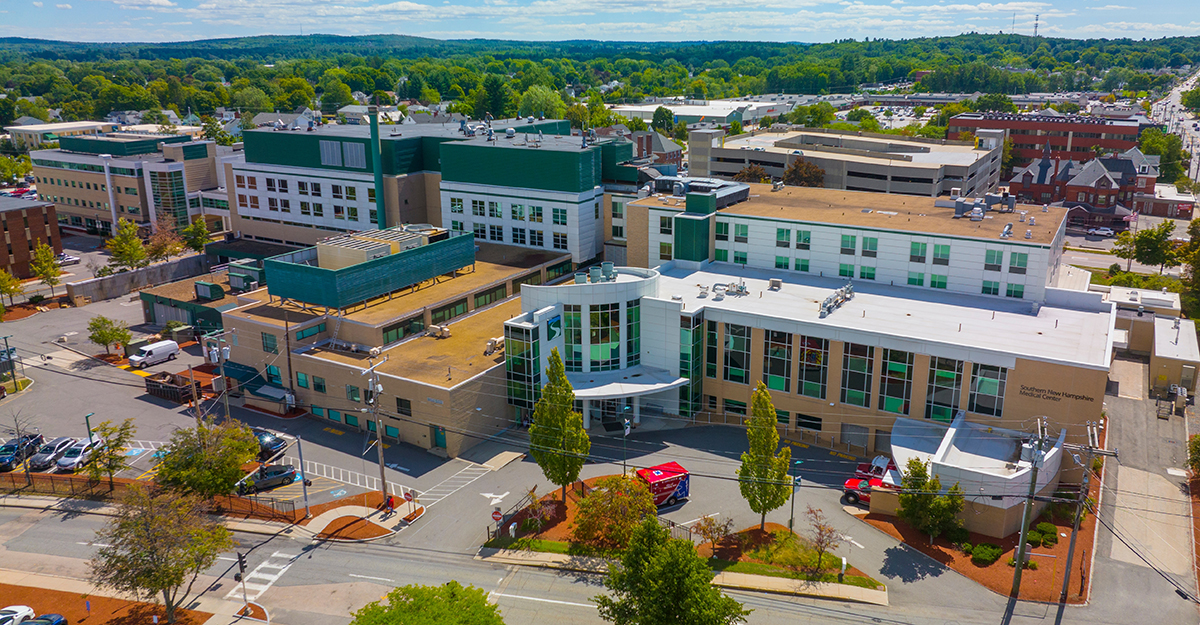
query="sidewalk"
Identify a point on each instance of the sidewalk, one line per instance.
(738, 581)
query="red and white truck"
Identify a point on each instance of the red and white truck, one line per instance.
(669, 483)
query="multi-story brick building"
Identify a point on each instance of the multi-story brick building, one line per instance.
(26, 223)
(1070, 137)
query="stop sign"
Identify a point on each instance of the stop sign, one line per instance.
(497, 516)
(408, 496)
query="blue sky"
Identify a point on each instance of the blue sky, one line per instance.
(627, 20)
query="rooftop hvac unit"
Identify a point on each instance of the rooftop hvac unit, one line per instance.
(775, 284)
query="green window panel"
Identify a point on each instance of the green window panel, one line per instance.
(803, 239)
(866, 273)
(783, 237)
(318, 384)
(351, 420)
(301, 379)
(777, 361)
(801, 264)
(991, 287)
(845, 270)
(782, 417)
(739, 258)
(741, 233)
(941, 254)
(937, 282)
(916, 252)
(916, 278)
(721, 256)
(849, 244)
(870, 247)
(782, 262)
(1016, 291)
(737, 353)
(993, 259)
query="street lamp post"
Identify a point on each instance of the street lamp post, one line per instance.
(12, 367)
(795, 482)
(87, 420)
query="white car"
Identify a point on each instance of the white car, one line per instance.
(16, 614)
(1101, 232)
(75, 457)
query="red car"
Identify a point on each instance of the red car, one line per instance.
(857, 489)
(876, 468)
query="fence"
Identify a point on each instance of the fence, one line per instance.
(73, 486)
(256, 506)
(353, 478)
(678, 531)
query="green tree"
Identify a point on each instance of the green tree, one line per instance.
(763, 476)
(557, 440)
(108, 457)
(214, 131)
(10, 285)
(206, 460)
(608, 515)
(337, 94)
(1191, 99)
(995, 102)
(429, 95)
(449, 604)
(1125, 247)
(1153, 246)
(1193, 459)
(45, 266)
(751, 173)
(196, 235)
(922, 503)
(107, 332)
(539, 101)
(498, 96)
(661, 581)
(735, 128)
(1169, 147)
(663, 120)
(156, 546)
(126, 247)
(802, 173)
(14, 168)
(1009, 159)
(251, 101)
(165, 242)
(577, 114)
(635, 124)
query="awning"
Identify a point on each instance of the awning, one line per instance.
(632, 382)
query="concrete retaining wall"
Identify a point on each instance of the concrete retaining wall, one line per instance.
(116, 285)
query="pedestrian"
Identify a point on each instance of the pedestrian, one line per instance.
(391, 505)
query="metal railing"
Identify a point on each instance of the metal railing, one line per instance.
(316, 469)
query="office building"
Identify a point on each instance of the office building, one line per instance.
(1070, 137)
(32, 136)
(855, 161)
(26, 224)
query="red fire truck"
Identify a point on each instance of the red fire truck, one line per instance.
(669, 483)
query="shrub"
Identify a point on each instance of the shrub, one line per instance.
(1098, 461)
(1114, 269)
(1049, 540)
(36, 299)
(173, 325)
(965, 548)
(958, 535)
(1029, 564)
(1034, 537)
(985, 554)
(1047, 528)
(529, 526)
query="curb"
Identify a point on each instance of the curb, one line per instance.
(87, 355)
(798, 593)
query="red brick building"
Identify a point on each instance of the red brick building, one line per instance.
(1069, 137)
(653, 143)
(26, 223)
(1096, 181)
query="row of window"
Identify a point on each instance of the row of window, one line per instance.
(810, 358)
(69, 201)
(88, 186)
(516, 212)
(308, 209)
(517, 236)
(312, 189)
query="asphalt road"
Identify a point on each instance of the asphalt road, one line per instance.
(1179, 121)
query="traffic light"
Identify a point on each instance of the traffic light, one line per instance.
(241, 560)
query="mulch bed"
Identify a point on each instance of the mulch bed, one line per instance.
(21, 311)
(112, 359)
(105, 610)
(1044, 584)
(732, 548)
(561, 517)
(352, 528)
(254, 611)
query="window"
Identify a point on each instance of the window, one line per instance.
(783, 237)
(480, 231)
(336, 190)
(496, 233)
(782, 262)
(560, 241)
(941, 254)
(604, 337)
(945, 387)
(936, 281)
(535, 238)
(808, 423)
(301, 379)
(272, 204)
(633, 332)
(352, 393)
(339, 212)
(271, 185)
(285, 205)
(535, 214)
(456, 204)
(737, 353)
(721, 256)
(618, 210)
(857, 365)
(270, 343)
(403, 407)
(251, 183)
(664, 251)
(331, 153)
(572, 338)
(987, 390)
(916, 252)
(493, 295)
(352, 213)
(518, 236)
(991, 287)
(477, 208)
(371, 197)
(596, 211)
(559, 216)
(801, 264)
(335, 415)
(241, 181)
(777, 361)
(316, 189)
(741, 233)
(916, 278)
(1017, 262)
(494, 210)
(273, 375)
(447, 312)
(517, 212)
(352, 193)
(664, 225)
(310, 331)
(283, 186)
(848, 244)
(803, 239)
(302, 187)
(895, 382)
(456, 226)
(242, 201)
(254, 201)
(813, 358)
(318, 210)
(739, 258)
(1016, 291)
(866, 273)
(870, 247)
(845, 270)
(992, 260)
(722, 232)
(782, 417)
(734, 407)
(618, 232)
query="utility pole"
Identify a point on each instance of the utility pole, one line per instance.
(303, 476)
(222, 356)
(195, 401)
(375, 389)
(795, 483)
(287, 343)
(1093, 448)
(1021, 545)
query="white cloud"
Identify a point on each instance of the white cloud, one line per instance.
(1111, 7)
(37, 4)
(63, 6)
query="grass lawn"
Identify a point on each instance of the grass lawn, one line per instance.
(787, 555)
(20, 385)
(526, 543)
(1151, 281)
(757, 568)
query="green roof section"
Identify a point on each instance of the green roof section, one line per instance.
(118, 144)
(571, 170)
(296, 148)
(701, 203)
(691, 237)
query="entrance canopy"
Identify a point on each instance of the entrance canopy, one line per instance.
(632, 382)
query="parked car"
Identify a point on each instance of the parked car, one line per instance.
(15, 451)
(67, 259)
(269, 476)
(154, 353)
(269, 445)
(77, 455)
(48, 619)
(856, 490)
(1101, 232)
(50, 453)
(16, 614)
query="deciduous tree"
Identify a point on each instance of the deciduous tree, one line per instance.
(196, 235)
(714, 531)
(802, 173)
(608, 514)
(108, 332)
(126, 247)
(156, 547)
(10, 285)
(661, 581)
(557, 440)
(109, 456)
(922, 503)
(206, 460)
(822, 535)
(751, 173)
(763, 477)
(45, 266)
(539, 101)
(663, 120)
(165, 242)
(449, 604)
(1153, 246)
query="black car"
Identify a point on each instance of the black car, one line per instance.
(50, 453)
(18, 449)
(48, 619)
(269, 445)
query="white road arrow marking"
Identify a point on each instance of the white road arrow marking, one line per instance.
(494, 497)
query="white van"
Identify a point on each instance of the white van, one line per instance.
(154, 353)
